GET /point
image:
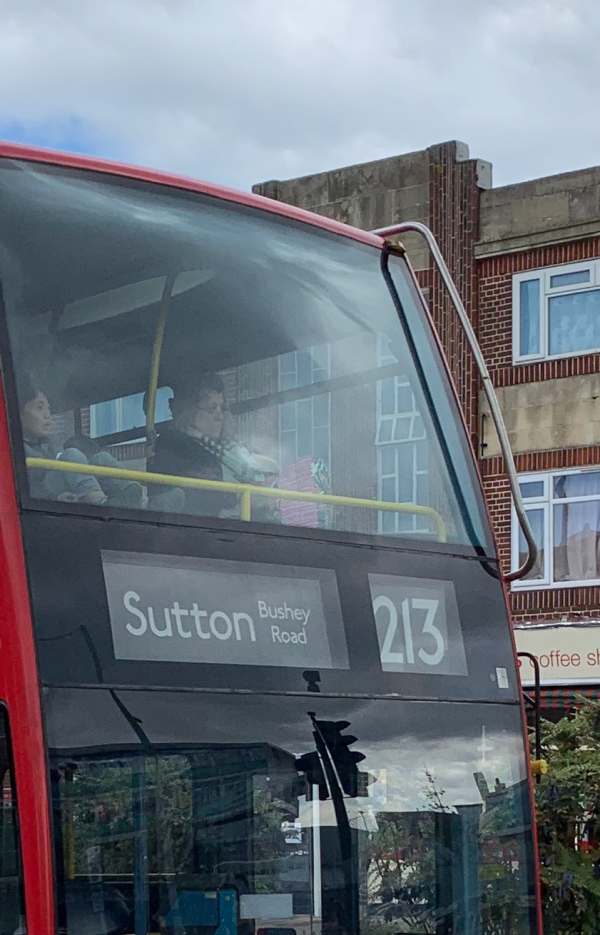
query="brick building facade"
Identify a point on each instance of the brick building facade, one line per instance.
(525, 258)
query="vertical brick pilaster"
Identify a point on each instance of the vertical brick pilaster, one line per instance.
(454, 220)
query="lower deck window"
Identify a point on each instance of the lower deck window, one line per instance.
(12, 913)
(427, 832)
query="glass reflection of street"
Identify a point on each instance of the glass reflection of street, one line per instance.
(309, 829)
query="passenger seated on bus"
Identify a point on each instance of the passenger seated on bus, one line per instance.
(194, 445)
(37, 426)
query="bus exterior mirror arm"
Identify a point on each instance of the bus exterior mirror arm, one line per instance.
(488, 388)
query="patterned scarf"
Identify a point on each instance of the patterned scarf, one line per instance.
(244, 466)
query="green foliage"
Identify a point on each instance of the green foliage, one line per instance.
(568, 816)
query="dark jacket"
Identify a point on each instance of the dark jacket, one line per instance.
(178, 453)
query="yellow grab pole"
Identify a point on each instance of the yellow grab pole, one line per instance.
(159, 335)
(245, 491)
(246, 505)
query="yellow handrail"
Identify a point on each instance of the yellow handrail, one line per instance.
(245, 491)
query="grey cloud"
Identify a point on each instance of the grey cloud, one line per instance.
(239, 92)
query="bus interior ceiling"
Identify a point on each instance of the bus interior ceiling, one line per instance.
(223, 323)
(88, 260)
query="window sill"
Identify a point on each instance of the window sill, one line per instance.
(556, 586)
(546, 358)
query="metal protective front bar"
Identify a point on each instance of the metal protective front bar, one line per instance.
(245, 491)
(423, 230)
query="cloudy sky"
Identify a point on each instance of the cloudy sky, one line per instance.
(239, 91)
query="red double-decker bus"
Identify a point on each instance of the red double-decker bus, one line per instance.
(257, 674)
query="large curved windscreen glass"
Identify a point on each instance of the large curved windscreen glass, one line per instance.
(174, 353)
(288, 816)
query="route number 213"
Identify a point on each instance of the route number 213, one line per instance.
(423, 639)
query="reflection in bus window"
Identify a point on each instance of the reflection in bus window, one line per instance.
(428, 833)
(119, 415)
(11, 884)
(321, 392)
(402, 448)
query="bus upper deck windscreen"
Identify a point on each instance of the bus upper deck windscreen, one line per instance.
(278, 357)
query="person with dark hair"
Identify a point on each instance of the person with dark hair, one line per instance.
(194, 445)
(37, 425)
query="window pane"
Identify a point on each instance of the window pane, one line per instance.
(536, 521)
(321, 444)
(405, 473)
(405, 523)
(388, 460)
(287, 363)
(577, 541)
(104, 418)
(304, 368)
(586, 484)
(418, 429)
(288, 448)
(119, 415)
(287, 381)
(529, 317)
(402, 428)
(422, 488)
(387, 397)
(385, 430)
(405, 402)
(388, 522)
(11, 884)
(532, 488)
(132, 412)
(388, 488)
(422, 455)
(321, 410)
(320, 359)
(304, 415)
(163, 410)
(574, 322)
(288, 416)
(568, 279)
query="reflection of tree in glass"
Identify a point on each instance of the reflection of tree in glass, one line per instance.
(405, 857)
(97, 811)
(206, 818)
(503, 875)
(400, 872)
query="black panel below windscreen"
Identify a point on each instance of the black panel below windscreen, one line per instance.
(76, 644)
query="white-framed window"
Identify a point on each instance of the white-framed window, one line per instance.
(556, 311)
(304, 424)
(402, 450)
(563, 508)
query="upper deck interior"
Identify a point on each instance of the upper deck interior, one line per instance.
(122, 285)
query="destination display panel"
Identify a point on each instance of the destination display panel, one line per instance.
(196, 609)
(183, 609)
(179, 609)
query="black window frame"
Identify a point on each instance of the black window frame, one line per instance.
(4, 715)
